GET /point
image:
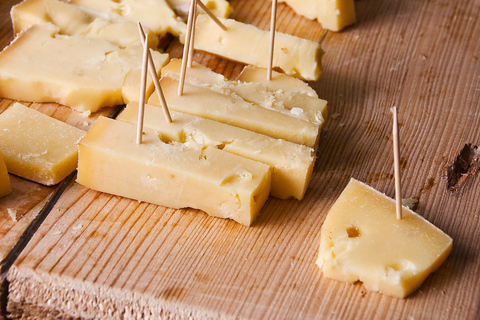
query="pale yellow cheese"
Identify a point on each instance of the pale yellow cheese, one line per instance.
(36, 146)
(72, 20)
(5, 186)
(220, 8)
(362, 240)
(247, 44)
(332, 14)
(175, 175)
(233, 110)
(279, 81)
(292, 164)
(82, 73)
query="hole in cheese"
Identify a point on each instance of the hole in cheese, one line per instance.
(353, 232)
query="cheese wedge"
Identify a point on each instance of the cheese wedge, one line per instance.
(332, 14)
(37, 147)
(290, 103)
(279, 81)
(85, 74)
(154, 14)
(362, 240)
(220, 8)
(247, 44)
(175, 175)
(292, 164)
(5, 186)
(73, 21)
(233, 110)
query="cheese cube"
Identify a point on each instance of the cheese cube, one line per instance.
(220, 8)
(175, 175)
(5, 186)
(85, 74)
(248, 44)
(332, 14)
(36, 146)
(362, 240)
(292, 164)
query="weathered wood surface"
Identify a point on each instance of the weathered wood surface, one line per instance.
(102, 255)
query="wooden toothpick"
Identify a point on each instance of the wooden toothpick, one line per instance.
(186, 48)
(154, 75)
(141, 100)
(192, 38)
(396, 157)
(211, 15)
(273, 20)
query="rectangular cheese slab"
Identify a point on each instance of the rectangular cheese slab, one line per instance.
(247, 44)
(176, 175)
(292, 164)
(86, 74)
(220, 8)
(37, 147)
(362, 240)
(332, 14)
(231, 109)
(5, 186)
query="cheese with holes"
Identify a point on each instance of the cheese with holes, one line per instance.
(5, 186)
(292, 164)
(73, 21)
(230, 109)
(37, 147)
(332, 14)
(247, 44)
(220, 8)
(175, 174)
(362, 240)
(86, 74)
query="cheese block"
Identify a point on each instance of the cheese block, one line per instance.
(206, 103)
(175, 174)
(154, 14)
(220, 8)
(292, 164)
(279, 81)
(86, 74)
(290, 103)
(247, 44)
(5, 186)
(362, 240)
(72, 20)
(332, 14)
(37, 147)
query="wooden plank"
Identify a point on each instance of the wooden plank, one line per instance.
(128, 259)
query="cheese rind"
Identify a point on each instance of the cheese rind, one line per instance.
(5, 186)
(362, 240)
(247, 44)
(175, 175)
(36, 146)
(292, 164)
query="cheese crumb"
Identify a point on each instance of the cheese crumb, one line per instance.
(12, 212)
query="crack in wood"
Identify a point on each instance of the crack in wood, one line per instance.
(465, 166)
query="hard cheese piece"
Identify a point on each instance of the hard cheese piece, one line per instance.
(248, 44)
(233, 110)
(292, 164)
(220, 8)
(36, 146)
(332, 14)
(363, 240)
(5, 186)
(175, 175)
(72, 20)
(279, 81)
(85, 74)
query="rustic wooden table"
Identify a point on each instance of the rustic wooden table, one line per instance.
(98, 255)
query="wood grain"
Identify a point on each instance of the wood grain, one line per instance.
(98, 255)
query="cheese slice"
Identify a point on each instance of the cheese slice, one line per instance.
(362, 240)
(290, 103)
(85, 74)
(292, 164)
(175, 175)
(332, 14)
(73, 21)
(233, 110)
(154, 14)
(278, 82)
(247, 44)
(37, 147)
(5, 186)
(220, 8)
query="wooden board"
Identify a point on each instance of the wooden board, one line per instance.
(98, 255)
